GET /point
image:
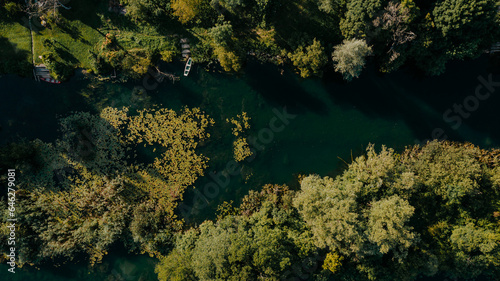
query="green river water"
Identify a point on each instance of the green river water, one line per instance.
(333, 121)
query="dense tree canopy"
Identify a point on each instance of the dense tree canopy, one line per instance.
(369, 214)
(88, 190)
(385, 218)
(265, 240)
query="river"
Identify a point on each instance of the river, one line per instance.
(329, 121)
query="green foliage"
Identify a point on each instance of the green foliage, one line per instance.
(264, 243)
(448, 171)
(240, 145)
(88, 191)
(135, 62)
(453, 16)
(331, 6)
(330, 211)
(470, 22)
(349, 58)
(59, 69)
(358, 17)
(311, 60)
(229, 60)
(475, 248)
(12, 10)
(189, 10)
(332, 262)
(387, 226)
(221, 34)
(455, 30)
(368, 214)
(147, 10)
(225, 47)
(230, 5)
(226, 209)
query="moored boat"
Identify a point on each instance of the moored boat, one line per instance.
(50, 80)
(187, 68)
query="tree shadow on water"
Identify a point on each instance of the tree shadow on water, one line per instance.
(282, 90)
(420, 101)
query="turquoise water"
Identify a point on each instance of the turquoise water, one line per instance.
(117, 266)
(333, 121)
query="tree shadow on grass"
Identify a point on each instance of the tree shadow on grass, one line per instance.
(72, 30)
(65, 55)
(12, 59)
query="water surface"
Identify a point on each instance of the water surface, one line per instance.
(333, 122)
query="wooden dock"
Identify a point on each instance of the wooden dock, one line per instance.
(495, 48)
(185, 47)
(41, 71)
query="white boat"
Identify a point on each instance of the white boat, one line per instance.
(187, 68)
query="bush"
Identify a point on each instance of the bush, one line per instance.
(58, 69)
(311, 60)
(99, 64)
(12, 10)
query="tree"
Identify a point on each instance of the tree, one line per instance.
(451, 172)
(396, 19)
(330, 211)
(349, 57)
(475, 248)
(367, 215)
(188, 10)
(358, 17)
(470, 23)
(221, 34)
(264, 241)
(225, 47)
(59, 70)
(12, 10)
(331, 6)
(309, 60)
(44, 7)
(88, 191)
(230, 5)
(147, 10)
(388, 226)
(455, 29)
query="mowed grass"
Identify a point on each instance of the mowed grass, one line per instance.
(76, 34)
(15, 48)
(80, 30)
(73, 41)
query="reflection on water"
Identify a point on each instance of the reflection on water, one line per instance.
(334, 122)
(118, 266)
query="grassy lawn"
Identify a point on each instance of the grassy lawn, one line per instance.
(73, 42)
(15, 48)
(79, 30)
(75, 34)
(84, 27)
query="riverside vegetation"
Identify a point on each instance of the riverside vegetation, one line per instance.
(307, 34)
(431, 209)
(117, 177)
